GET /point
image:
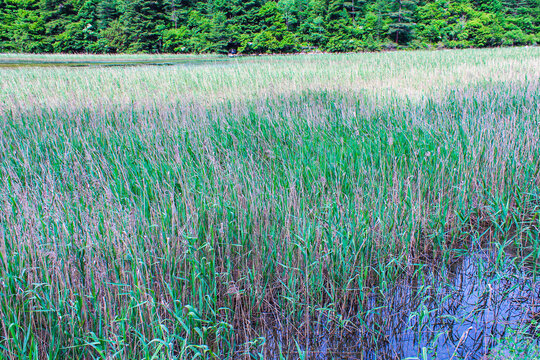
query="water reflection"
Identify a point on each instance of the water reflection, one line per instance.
(457, 312)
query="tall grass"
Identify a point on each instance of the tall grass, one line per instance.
(158, 213)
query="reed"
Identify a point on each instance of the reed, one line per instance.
(177, 212)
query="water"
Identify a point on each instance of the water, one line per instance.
(457, 312)
(58, 62)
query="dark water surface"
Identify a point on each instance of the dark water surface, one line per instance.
(58, 62)
(457, 312)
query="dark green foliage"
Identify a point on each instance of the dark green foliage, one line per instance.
(143, 22)
(402, 20)
(263, 26)
(273, 36)
(107, 12)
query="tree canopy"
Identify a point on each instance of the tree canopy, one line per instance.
(263, 26)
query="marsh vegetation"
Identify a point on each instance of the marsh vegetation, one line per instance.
(358, 206)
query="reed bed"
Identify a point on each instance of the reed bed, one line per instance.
(166, 212)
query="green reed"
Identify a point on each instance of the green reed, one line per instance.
(159, 232)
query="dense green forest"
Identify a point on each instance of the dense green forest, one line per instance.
(263, 26)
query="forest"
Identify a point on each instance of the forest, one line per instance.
(263, 26)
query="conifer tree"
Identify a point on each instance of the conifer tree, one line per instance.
(402, 15)
(107, 11)
(144, 21)
(223, 25)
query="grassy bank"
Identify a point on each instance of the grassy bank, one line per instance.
(164, 212)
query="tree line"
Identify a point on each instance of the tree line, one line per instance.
(263, 26)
